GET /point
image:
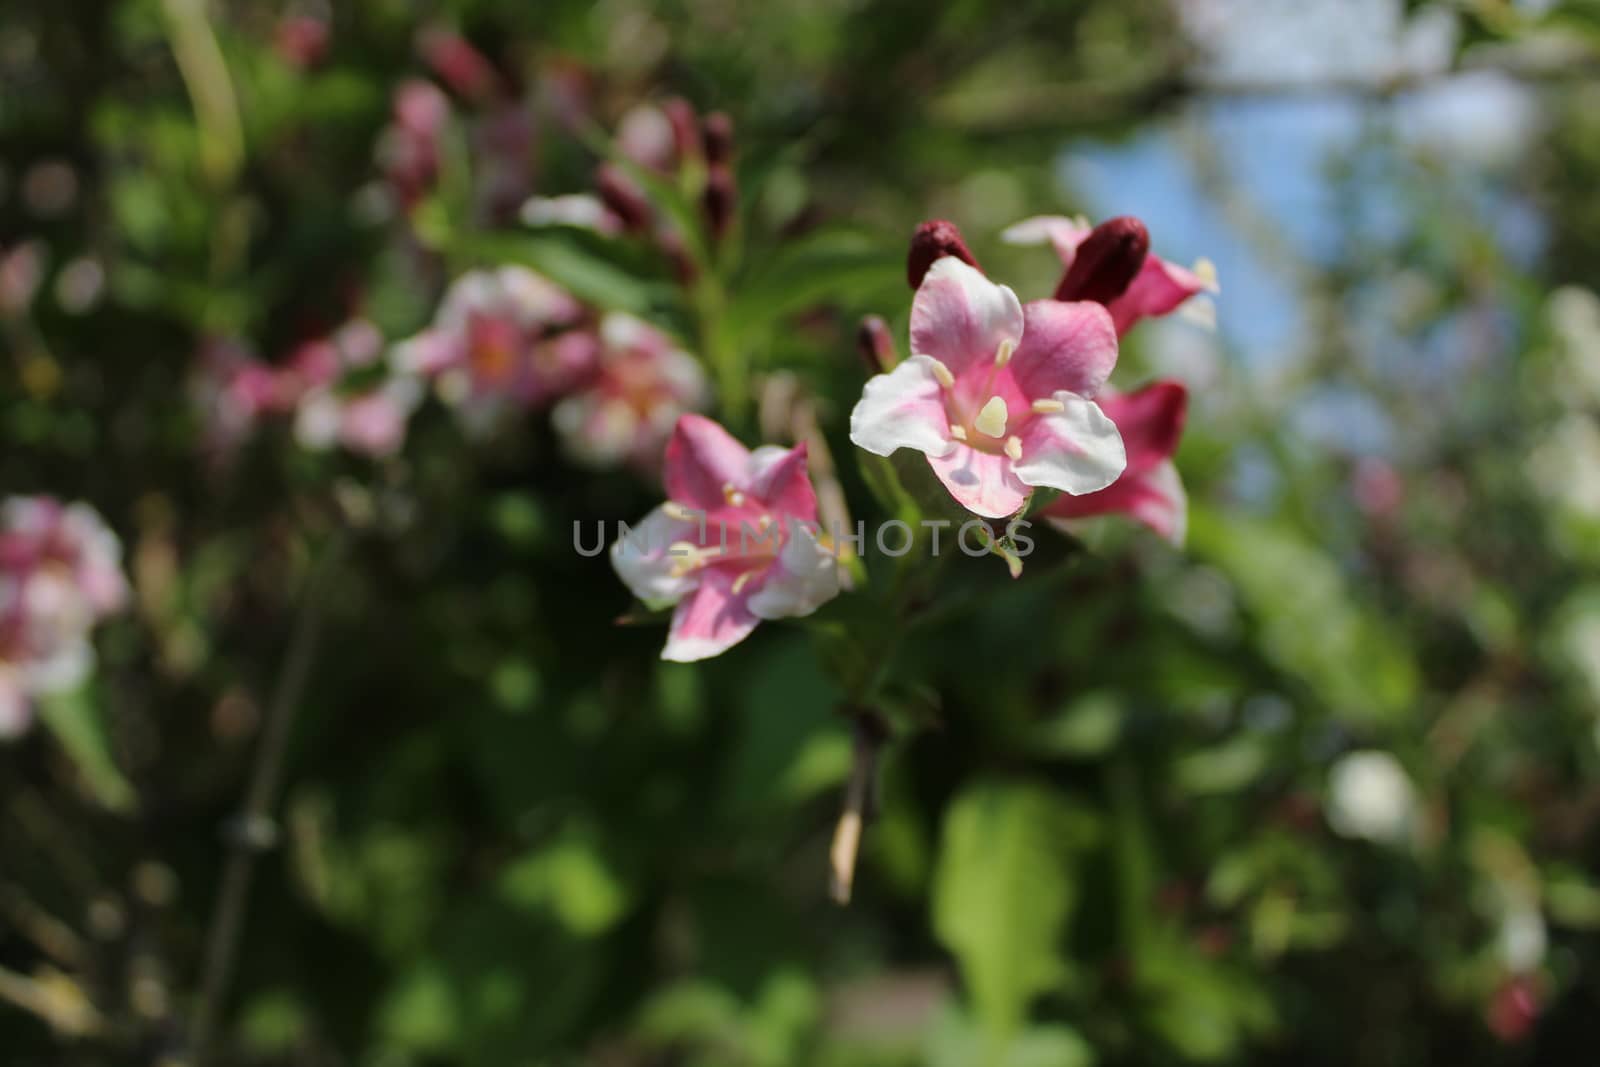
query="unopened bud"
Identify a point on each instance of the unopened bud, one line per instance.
(719, 199)
(1106, 262)
(619, 193)
(717, 137)
(932, 241)
(685, 128)
(875, 345)
(683, 265)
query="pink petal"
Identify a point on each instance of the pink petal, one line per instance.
(981, 482)
(1159, 288)
(1062, 233)
(643, 557)
(902, 409)
(702, 457)
(1076, 450)
(1071, 346)
(1155, 498)
(959, 317)
(709, 621)
(1150, 421)
(778, 478)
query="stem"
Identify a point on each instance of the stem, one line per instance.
(255, 830)
(858, 806)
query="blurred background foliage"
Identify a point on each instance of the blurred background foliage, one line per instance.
(1129, 829)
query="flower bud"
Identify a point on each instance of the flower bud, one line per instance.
(719, 199)
(717, 137)
(1106, 262)
(677, 253)
(458, 64)
(619, 193)
(932, 241)
(875, 345)
(685, 128)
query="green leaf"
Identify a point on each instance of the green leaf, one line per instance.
(1002, 894)
(589, 277)
(74, 719)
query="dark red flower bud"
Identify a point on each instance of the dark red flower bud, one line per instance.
(932, 241)
(685, 128)
(1107, 261)
(672, 246)
(459, 65)
(302, 40)
(717, 136)
(719, 199)
(876, 346)
(619, 193)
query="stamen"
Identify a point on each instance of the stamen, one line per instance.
(674, 510)
(1048, 407)
(958, 432)
(942, 373)
(732, 495)
(991, 421)
(743, 580)
(1003, 355)
(1014, 447)
(1206, 271)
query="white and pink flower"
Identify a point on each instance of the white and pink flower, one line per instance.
(60, 574)
(997, 395)
(627, 409)
(502, 339)
(1150, 490)
(735, 543)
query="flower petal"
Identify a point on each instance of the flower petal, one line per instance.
(959, 317)
(1062, 233)
(644, 561)
(709, 621)
(1159, 288)
(1156, 498)
(1076, 450)
(1150, 421)
(702, 457)
(1065, 345)
(778, 479)
(902, 409)
(806, 577)
(982, 482)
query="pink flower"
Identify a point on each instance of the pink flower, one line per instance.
(998, 396)
(1158, 288)
(408, 150)
(370, 422)
(501, 338)
(1149, 491)
(60, 573)
(627, 410)
(735, 543)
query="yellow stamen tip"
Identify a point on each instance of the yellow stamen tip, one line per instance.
(1014, 447)
(1048, 407)
(942, 373)
(991, 421)
(1003, 354)
(732, 495)
(743, 580)
(958, 432)
(675, 510)
(1206, 271)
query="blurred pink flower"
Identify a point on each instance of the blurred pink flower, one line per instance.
(60, 574)
(369, 422)
(1149, 490)
(458, 64)
(998, 396)
(408, 149)
(1158, 287)
(302, 40)
(627, 409)
(734, 544)
(501, 339)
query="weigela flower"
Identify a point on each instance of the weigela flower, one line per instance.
(60, 573)
(626, 410)
(998, 396)
(1149, 490)
(409, 148)
(1156, 288)
(501, 339)
(735, 543)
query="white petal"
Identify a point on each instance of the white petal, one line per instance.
(902, 409)
(1077, 451)
(643, 560)
(805, 578)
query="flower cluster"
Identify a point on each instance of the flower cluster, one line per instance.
(60, 575)
(1002, 398)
